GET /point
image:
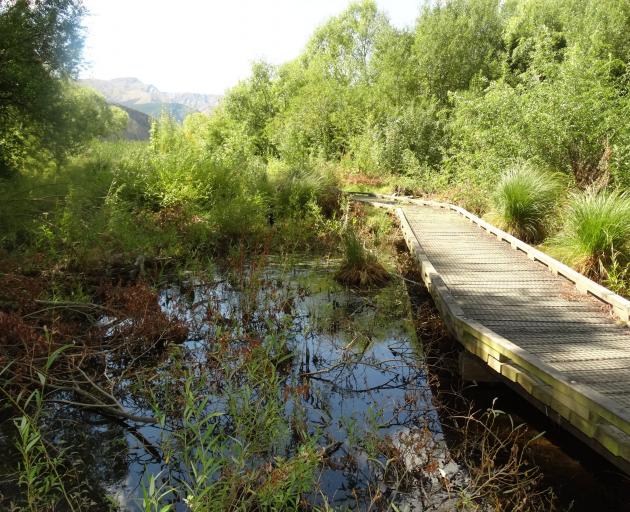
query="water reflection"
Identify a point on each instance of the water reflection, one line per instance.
(353, 377)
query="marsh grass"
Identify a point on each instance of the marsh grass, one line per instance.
(494, 449)
(226, 458)
(360, 267)
(163, 201)
(524, 200)
(291, 188)
(47, 476)
(227, 440)
(595, 238)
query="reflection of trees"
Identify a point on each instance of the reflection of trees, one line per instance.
(360, 380)
(361, 377)
(98, 445)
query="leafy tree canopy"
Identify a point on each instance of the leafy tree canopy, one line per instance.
(40, 110)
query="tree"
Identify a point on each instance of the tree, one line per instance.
(326, 94)
(253, 103)
(396, 83)
(456, 41)
(346, 43)
(40, 52)
(83, 116)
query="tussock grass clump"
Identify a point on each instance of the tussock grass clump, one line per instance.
(523, 201)
(360, 267)
(596, 231)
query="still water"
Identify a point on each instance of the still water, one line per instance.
(355, 358)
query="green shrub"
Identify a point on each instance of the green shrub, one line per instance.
(523, 201)
(617, 275)
(571, 122)
(292, 188)
(365, 151)
(596, 231)
(412, 138)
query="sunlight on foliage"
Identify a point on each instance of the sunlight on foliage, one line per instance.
(524, 200)
(596, 232)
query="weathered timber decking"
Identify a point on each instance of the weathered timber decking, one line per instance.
(566, 350)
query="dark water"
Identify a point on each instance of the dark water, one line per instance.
(355, 355)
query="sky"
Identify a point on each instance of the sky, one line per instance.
(206, 46)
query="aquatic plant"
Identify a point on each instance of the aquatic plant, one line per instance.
(46, 475)
(360, 267)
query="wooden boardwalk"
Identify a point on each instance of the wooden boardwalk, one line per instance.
(556, 337)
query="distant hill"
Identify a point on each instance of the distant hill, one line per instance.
(155, 109)
(131, 92)
(139, 125)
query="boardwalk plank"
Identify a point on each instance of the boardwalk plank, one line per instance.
(566, 339)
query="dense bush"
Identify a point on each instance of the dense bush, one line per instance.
(475, 87)
(572, 123)
(178, 197)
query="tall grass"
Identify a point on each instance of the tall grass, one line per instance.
(234, 452)
(596, 231)
(360, 266)
(291, 188)
(617, 275)
(524, 200)
(46, 476)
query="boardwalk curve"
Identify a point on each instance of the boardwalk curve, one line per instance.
(559, 339)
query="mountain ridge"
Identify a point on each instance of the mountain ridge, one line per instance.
(147, 98)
